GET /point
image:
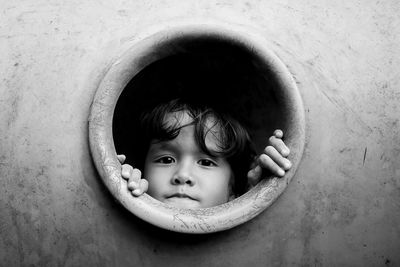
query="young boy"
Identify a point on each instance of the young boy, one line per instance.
(197, 157)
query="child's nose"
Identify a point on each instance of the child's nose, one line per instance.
(183, 176)
(182, 180)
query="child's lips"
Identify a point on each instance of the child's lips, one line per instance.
(181, 195)
(181, 200)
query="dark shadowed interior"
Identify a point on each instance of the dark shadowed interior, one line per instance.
(222, 73)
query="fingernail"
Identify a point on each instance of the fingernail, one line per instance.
(281, 172)
(288, 165)
(136, 191)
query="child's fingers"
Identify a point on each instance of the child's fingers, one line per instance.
(136, 175)
(134, 179)
(143, 186)
(133, 185)
(274, 154)
(278, 133)
(121, 158)
(268, 163)
(126, 171)
(136, 184)
(279, 145)
(254, 175)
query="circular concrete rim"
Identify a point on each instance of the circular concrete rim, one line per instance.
(150, 49)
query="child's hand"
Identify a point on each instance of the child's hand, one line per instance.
(274, 159)
(136, 185)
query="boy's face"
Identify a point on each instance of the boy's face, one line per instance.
(182, 175)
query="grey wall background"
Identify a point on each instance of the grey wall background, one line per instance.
(342, 208)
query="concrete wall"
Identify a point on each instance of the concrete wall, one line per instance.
(342, 208)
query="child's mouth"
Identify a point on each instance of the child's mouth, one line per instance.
(181, 196)
(182, 201)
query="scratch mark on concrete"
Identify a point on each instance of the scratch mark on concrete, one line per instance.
(365, 155)
(176, 217)
(347, 110)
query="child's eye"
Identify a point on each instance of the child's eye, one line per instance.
(207, 163)
(165, 160)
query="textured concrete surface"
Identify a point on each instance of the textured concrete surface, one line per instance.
(342, 206)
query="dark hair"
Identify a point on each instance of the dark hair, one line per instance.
(234, 141)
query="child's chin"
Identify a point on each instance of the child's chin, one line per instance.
(185, 203)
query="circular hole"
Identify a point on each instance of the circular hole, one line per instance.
(234, 70)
